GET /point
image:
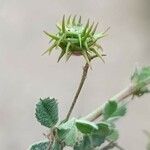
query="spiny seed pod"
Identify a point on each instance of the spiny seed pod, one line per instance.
(74, 38)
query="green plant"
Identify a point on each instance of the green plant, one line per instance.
(73, 38)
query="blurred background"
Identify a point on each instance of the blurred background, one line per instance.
(25, 75)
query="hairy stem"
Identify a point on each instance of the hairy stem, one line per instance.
(128, 91)
(84, 75)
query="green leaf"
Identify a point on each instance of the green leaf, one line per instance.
(96, 139)
(121, 110)
(55, 146)
(47, 112)
(138, 78)
(140, 74)
(42, 145)
(45, 145)
(86, 126)
(109, 108)
(113, 111)
(90, 142)
(114, 135)
(68, 132)
(103, 129)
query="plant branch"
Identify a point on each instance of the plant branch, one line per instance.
(128, 91)
(84, 75)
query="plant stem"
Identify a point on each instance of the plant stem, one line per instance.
(119, 97)
(84, 75)
(128, 91)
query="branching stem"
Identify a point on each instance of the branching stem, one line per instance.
(128, 91)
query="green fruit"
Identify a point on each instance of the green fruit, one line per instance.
(74, 38)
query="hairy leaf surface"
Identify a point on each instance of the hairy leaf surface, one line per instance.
(47, 112)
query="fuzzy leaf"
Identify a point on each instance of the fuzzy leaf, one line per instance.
(47, 112)
(138, 78)
(103, 129)
(109, 109)
(68, 133)
(113, 111)
(90, 142)
(55, 146)
(140, 74)
(86, 126)
(45, 145)
(42, 145)
(114, 135)
(121, 110)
